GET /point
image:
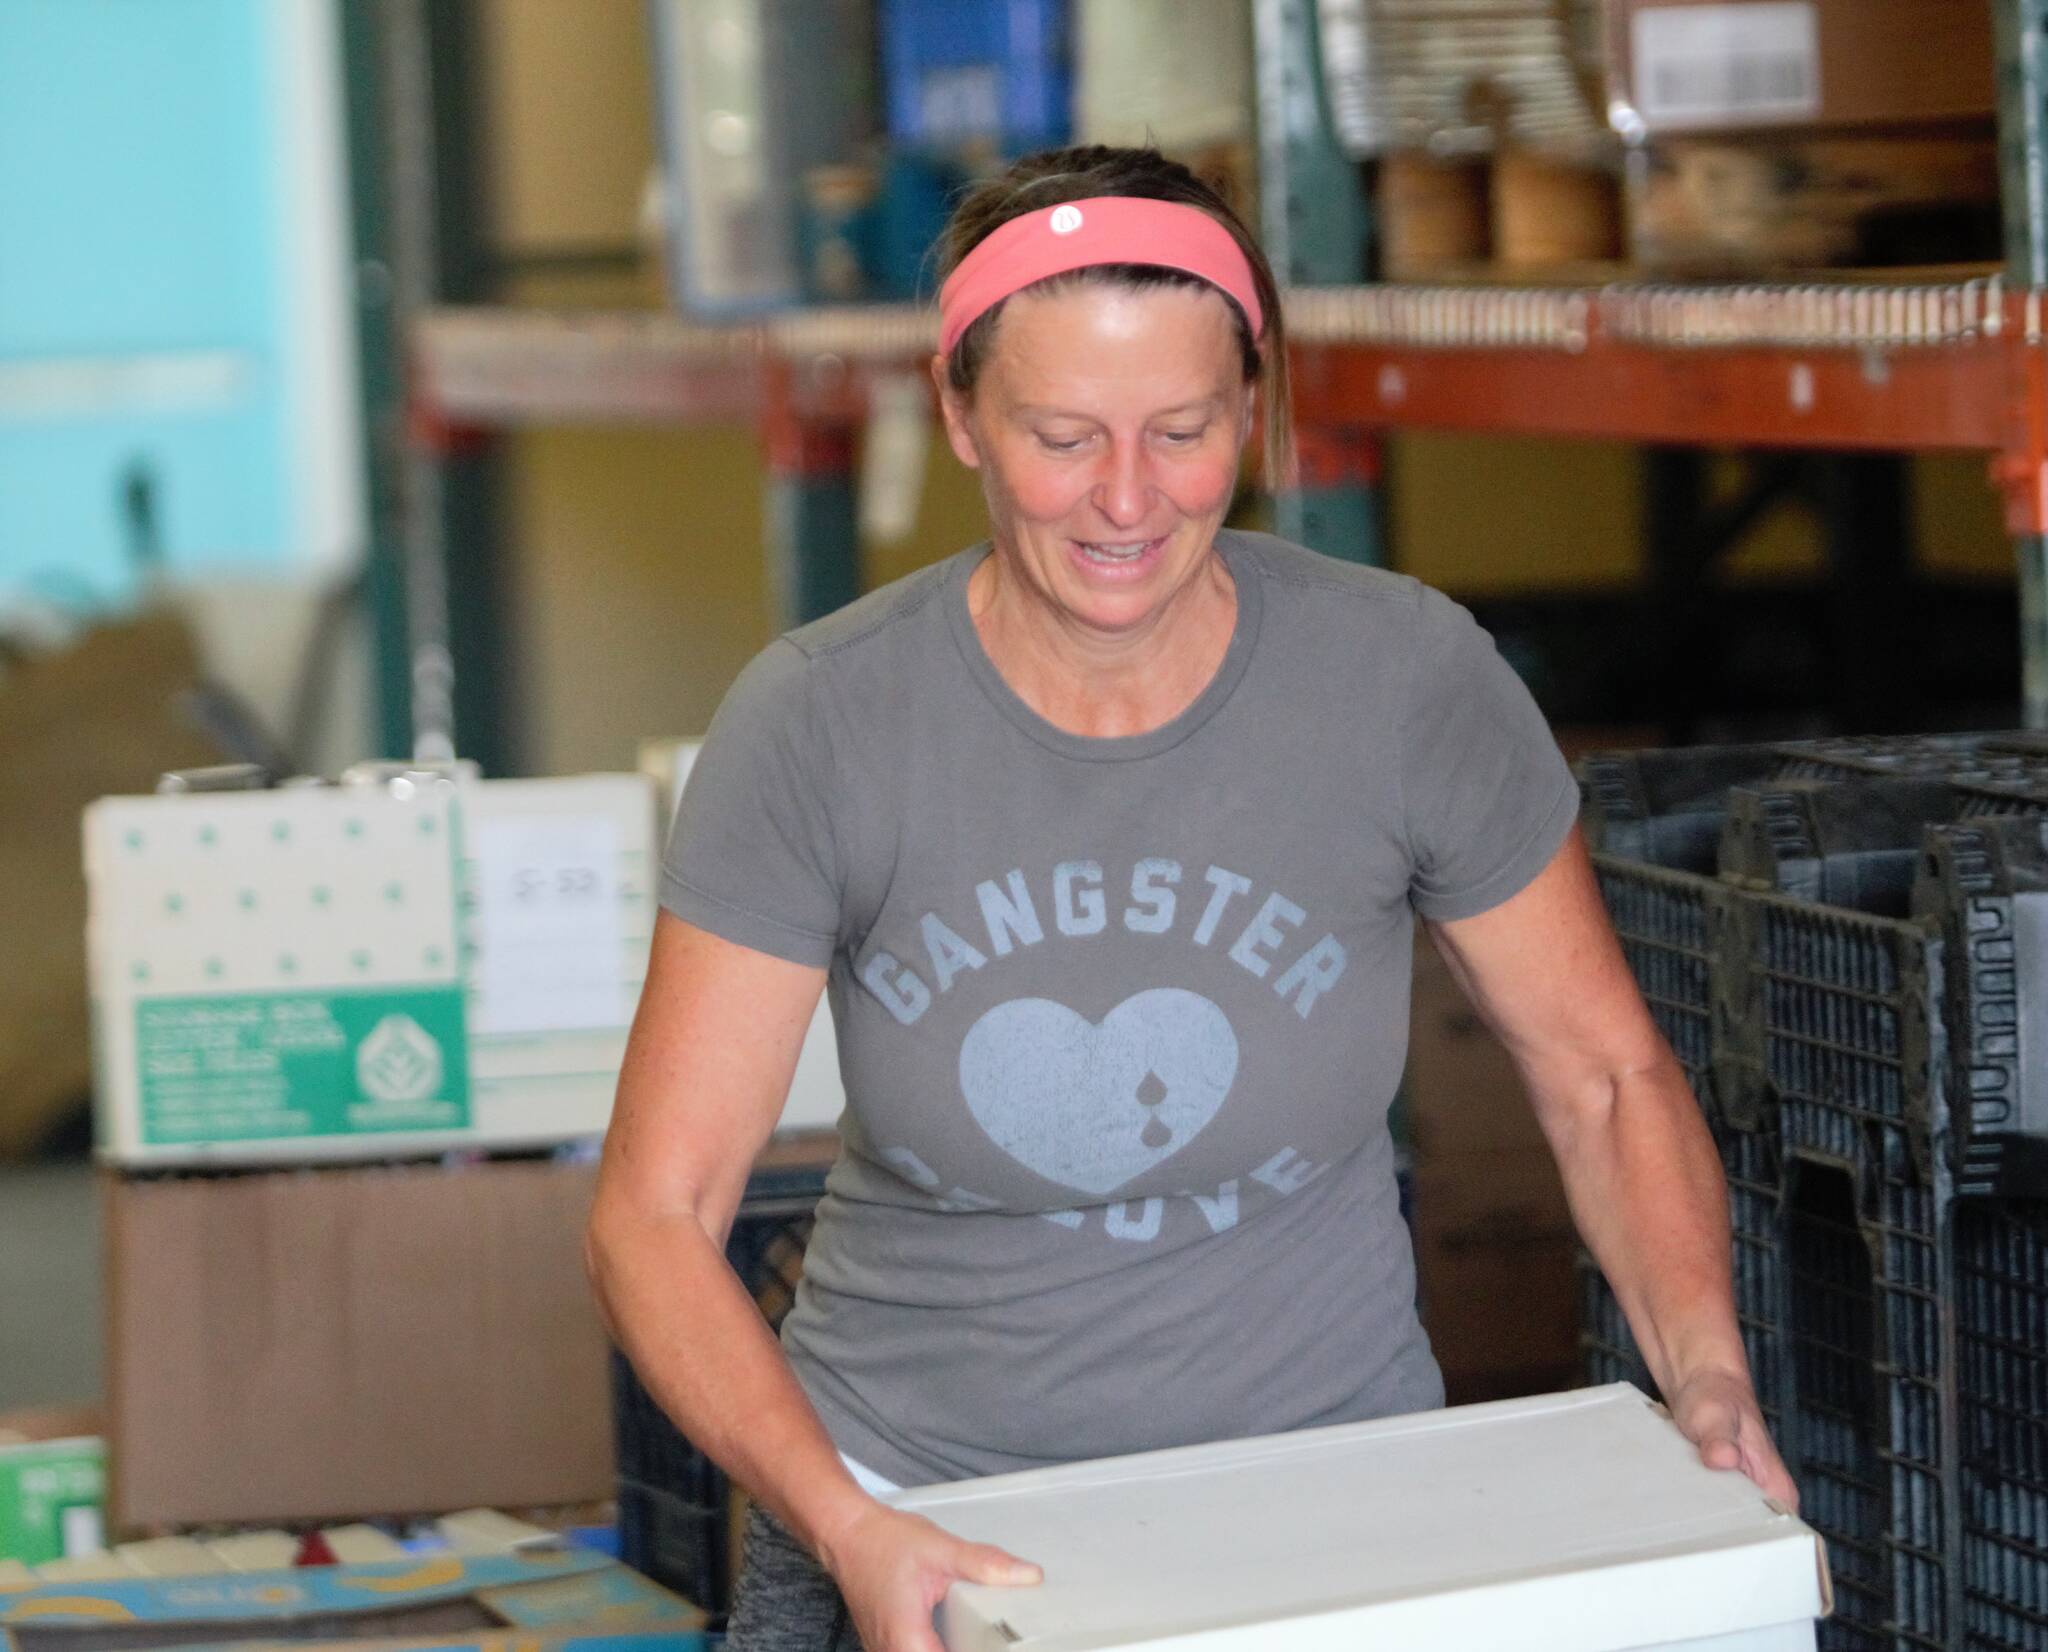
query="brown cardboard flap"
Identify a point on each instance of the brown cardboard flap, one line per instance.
(53, 1422)
(320, 1344)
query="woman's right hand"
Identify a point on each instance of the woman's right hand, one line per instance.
(894, 1568)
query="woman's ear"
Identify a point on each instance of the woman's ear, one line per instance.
(953, 411)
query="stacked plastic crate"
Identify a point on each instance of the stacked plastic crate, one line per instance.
(677, 1512)
(1655, 820)
(1985, 881)
(1864, 1081)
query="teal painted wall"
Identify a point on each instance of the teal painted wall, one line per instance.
(142, 223)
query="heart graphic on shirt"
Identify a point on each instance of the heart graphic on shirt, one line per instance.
(1092, 1106)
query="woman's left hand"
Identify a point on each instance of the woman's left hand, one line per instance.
(1717, 1410)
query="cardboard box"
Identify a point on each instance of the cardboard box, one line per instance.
(1737, 65)
(1580, 1522)
(1496, 1259)
(98, 716)
(817, 1095)
(1463, 1092)
(326, 1344)
(1718, 207)
(52, 1485)
(365, 970)
(555, 1599)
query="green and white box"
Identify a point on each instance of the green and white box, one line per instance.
(51, 1497)
(363, 971)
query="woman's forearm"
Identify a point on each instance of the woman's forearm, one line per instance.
(1650, 1197)
(699, 1343)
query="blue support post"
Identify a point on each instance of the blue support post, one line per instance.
(1317, 228)
(810, 512)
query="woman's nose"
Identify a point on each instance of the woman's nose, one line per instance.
(1124, 494)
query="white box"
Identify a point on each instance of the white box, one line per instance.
(1580, 1522)
(817, 1095)
(364, 971)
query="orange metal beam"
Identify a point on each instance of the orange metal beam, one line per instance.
(1947, 397)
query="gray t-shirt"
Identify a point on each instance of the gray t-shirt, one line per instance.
(1120, 1019)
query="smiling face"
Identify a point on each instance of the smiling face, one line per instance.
(1107, 423)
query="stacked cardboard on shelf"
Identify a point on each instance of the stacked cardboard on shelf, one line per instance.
(1784, 134)
(293, 988)
(539, 1599)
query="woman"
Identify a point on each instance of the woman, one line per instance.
(1108, 841)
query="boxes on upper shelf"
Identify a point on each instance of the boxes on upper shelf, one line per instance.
(753, 95)
(1804, 134)
(1740, 65)
(988, 75)
(401, 964)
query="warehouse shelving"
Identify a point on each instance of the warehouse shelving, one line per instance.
(1890, 368)
(1955, 365)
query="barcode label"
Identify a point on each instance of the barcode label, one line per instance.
(1731, 62)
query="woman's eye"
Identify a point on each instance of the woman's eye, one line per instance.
(1184, 438)
(1070, 444)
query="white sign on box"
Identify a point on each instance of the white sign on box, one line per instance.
(817, 1096)
(1579, 1522)
(1743, 62)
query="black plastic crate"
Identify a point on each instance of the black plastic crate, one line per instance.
(2001, 1315)
(1670, 926)
(675, 1504)
(1667, 924)
(1994, 773)
(1750, 1160)
(1840, 843)
(1834, 1016)
(1985, 882)
(1605, 1343)
(1839, 1024)
(1754, 1164)
(1665, 808)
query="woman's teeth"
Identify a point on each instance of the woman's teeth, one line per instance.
(1116, 553)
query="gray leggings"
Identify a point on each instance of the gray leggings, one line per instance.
(784, 1601)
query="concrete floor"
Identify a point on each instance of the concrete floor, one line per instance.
(49, 1285)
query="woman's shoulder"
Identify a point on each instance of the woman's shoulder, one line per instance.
(1286, 567)
(884, 614)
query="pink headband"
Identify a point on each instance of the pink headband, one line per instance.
(1106, 229)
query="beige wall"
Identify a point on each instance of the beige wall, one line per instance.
(568, 110)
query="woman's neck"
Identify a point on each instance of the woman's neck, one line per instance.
(1090, 683)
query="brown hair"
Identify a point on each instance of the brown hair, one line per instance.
(1055, 175)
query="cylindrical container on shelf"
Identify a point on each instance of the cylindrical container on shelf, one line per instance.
(1433, 215)
(1549, 211)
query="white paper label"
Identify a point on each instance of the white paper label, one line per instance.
(550, 946)
(84, 1531)
(1734, 62)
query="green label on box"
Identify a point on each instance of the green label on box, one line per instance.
(50, 1497)
(281, 1065)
